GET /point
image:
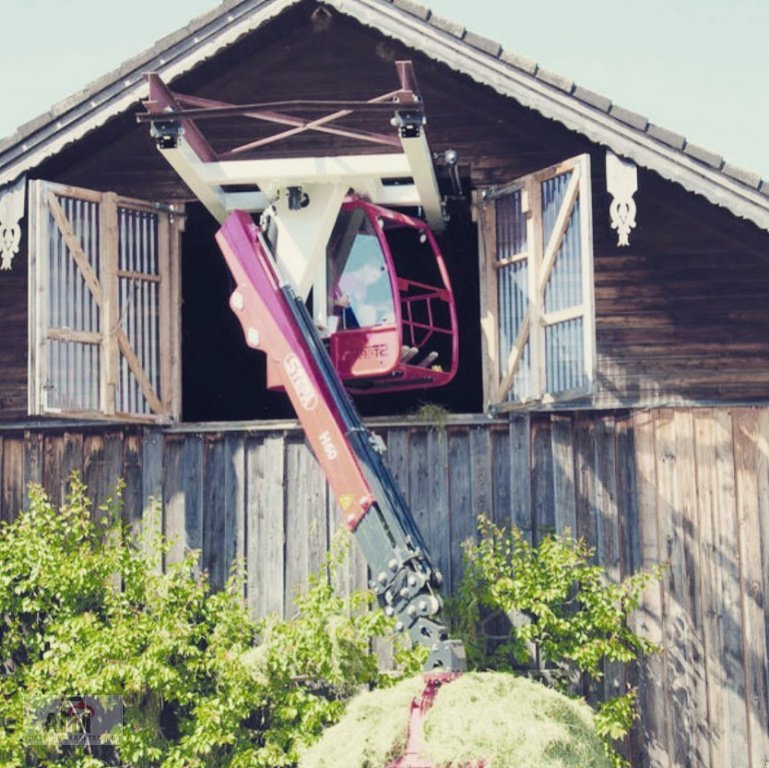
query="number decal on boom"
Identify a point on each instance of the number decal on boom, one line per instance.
(328, 445)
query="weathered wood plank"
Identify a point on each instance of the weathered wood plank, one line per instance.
(398, 457)
(607, 530)
(630, 551)
(704, 427)
(102, 466)
(460, 501)
(427, 496)
(730, 623)
(235, 489)
(627, 499)
(653, 701)
(13, 488)
(52, 459)
(564, 488)
(502, 489)
(438, 531)
(542, 485)
(183, 495)
(212, 557)
(152, 515)
(690, 554)
(305, 516)
(132, 476)
(607, 526)
(520, 474)
(418, 488)
(677, 622)
(480, 474)
(751, 461)
(585, 479)
(720, 591)
(265, 505)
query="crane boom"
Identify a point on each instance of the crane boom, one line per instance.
(275, 320)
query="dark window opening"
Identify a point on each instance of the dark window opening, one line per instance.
(224, 380)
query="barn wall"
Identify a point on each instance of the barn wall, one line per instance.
(685, 488)
(682, 313)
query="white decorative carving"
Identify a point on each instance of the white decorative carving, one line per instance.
(622, 184)
(11, 213)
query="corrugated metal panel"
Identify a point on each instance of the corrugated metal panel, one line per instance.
(553, 193)
(564, 342)
(74, 375)
(137, 301)
(138, 305)
(565, 356)
(564, 289)
(511, 225)
(512, 287)
(73, 366)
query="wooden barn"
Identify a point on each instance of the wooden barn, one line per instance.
(612, 283)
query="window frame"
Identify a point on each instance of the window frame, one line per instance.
(539, 259)
(95, 249)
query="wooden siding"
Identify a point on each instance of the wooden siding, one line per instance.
(681, 314)
(688, 488)
(13, 336)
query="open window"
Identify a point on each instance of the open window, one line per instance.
(104, 302)
(538, 324)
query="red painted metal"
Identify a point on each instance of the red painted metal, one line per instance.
(374, 359)
(162, 101)
(412, 754)
(170, 104)
(261, 308)
(298, 124)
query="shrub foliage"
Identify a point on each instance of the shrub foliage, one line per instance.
(85, 611)
(550, 606)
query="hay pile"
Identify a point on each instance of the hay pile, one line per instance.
(505, 721)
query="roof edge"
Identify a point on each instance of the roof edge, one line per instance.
(555, 97)
(171, 56)
(624, 132)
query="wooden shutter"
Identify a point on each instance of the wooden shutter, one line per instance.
(104, 335)
(537, 287)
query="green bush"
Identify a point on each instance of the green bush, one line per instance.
(83, 611)
(553, 600)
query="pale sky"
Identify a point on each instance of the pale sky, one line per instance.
(697, 67)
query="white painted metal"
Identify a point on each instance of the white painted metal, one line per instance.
(272, 174)
(302, 238)
(420, 164)
(302, 196)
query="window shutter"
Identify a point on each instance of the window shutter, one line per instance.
(104, 305)
(537, 277)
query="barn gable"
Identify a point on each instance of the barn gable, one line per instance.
(660, 320)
